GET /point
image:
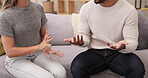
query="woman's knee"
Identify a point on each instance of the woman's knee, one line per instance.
(59, 72)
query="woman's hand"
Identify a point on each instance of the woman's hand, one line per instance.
(48, 51)
(45, 42)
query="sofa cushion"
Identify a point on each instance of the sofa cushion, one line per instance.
(143, 31)
(59, 27)
(75, 21)
(71, 52)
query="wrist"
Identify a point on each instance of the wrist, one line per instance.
(39, 47)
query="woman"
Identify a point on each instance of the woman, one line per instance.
(24, 37)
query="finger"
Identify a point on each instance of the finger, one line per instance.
(107, 43)
(48, 40)
(118, 47)
(81, 39)
(46, 35)
(48, 45)
(126, 43)
(113, 46)
(78, 38)
(47, 54)
(53, 51)
(60, 54)
(49, 37)
(66, 40)
(74, 40)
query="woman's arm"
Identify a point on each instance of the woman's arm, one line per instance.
(12, 51)
(42, 32)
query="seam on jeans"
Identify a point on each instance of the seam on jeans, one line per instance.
(12, 67)
(119, 68)
(95, 67)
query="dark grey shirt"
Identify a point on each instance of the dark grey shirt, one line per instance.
(23, 24)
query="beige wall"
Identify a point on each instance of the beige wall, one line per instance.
(143, 2)
(78, 4)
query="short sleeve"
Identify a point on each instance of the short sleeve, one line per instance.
(43, 17)
(5, 27)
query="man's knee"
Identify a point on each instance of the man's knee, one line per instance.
(77, 66)
(136, 65)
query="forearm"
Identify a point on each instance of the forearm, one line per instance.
(22, 51)
(131, 46)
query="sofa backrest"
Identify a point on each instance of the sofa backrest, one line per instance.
(143, 30)
(59, 27)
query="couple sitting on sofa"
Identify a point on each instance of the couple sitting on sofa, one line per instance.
(107, 27)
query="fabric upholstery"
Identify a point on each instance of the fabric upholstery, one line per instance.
(75, 22)
(59, 27)
(143, 31)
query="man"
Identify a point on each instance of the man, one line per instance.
(108, 28)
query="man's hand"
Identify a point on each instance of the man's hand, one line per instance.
(76, 40)
(118, 46)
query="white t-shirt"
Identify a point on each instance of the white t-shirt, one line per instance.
(112, 24)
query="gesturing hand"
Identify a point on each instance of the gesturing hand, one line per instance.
(45, 42)
(76, 40)
(48, 51)
(117, 46)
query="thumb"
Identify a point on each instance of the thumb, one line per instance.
(48, 45)
(125, 43)
(67, 40)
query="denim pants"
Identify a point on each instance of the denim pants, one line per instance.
(35, 66)
(94, 61)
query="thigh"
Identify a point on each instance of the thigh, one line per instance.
(23, 68)
(124, 63)
(50, 64)
(89, 61)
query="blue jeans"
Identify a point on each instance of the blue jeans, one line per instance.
(94, 61)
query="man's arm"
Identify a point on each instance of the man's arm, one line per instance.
(130, 34)
(83, 39)
(83, 27)
(130, 31)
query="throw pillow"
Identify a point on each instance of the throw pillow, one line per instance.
(75, 21)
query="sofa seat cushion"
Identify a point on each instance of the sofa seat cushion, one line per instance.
(70, 52)
(143, 54)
